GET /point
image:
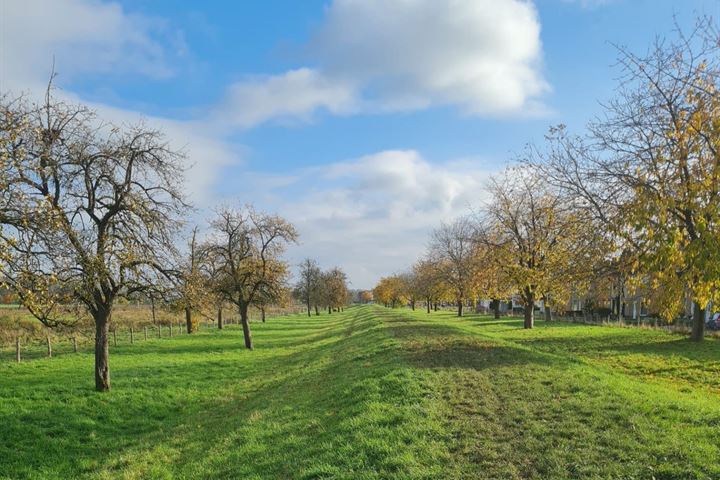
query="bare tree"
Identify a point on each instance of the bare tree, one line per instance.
(88, 211)
(308, 287)
(452, 251)
(248, 246)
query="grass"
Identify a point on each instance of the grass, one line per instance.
(372, 394)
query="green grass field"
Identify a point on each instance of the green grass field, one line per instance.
(369, 394)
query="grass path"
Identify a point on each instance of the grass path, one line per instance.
(371, 394)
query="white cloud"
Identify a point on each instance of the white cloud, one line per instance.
(89, 37)
(83, 36)
(371, 215)
(483, 56)
(292, 95)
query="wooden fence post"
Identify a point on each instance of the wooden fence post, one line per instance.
(74, 344)
(49, 347)
(132, 339)
(17, 349)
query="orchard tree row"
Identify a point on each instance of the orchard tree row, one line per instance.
(630, 205)
(316, 288)
(92, 213)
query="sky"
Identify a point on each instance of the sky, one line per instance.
(366, 123)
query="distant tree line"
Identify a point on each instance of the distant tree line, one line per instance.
(630, 207)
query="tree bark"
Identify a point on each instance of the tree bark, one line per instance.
(496, 307)
(428, 305)
(317, 311)
(262, 314)
(435, 305)
(460, 308)
(698, 325)
(546, 307)
(529, 316)
(243, 309)
(412, 305)
(529, 320)
(102, 351)
(152, 306)
(308, 306)
(219, 318)
(329, 309)
(188, 320)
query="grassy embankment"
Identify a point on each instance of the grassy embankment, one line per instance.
(373, 393)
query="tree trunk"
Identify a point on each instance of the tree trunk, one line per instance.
(102, 351)
(219, 318)
(317, 311)
(529, 309)
(152, 304)
(243, 309)
(262, 314)
(496, 307)
(309, 308)
(698, 325)
(546, 307)
(428, 305)
(412, 305)
(188, 320)
(329, 309)
(529, 316)
(435, 305)
(17, 349)
(460, 308)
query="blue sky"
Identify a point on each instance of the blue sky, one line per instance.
(364, 122)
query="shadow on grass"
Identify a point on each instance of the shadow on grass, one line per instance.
(204, 410)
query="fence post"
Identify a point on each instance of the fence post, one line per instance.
(17, 349)
(132, 339)
(75, 344)
(49, 347)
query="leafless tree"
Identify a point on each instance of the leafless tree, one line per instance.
(248, 246)
(88, 210)
(308, 286)
(451, 249)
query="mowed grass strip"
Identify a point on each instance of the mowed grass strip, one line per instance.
(372, 393)
(320, 397)
(567, 400)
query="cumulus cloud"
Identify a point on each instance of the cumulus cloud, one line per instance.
(83, 36)
(89, 37)
(372, 215)
(482, 56)
(292, 95)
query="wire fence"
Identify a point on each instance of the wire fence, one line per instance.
(22, 344)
